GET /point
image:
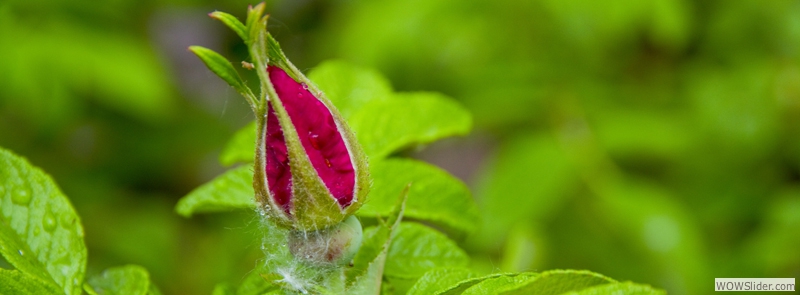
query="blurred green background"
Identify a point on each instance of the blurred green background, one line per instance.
(653, 141)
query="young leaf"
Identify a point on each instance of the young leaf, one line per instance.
(241, 147)
(435, 195)
(225, 70)
(417, 249)
(232, 22)
(349, 87)
(129, 279)
(626, 288)
(367, 272)
(386, 126)
(17, 282)
(555, 282)
(40, 217)
(229, 191)
(437, 280)
(487, 284)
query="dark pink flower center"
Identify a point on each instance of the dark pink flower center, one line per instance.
(319, 135)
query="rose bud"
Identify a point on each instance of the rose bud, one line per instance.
(310, 172)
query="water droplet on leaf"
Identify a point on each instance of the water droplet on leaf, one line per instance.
(21, 197)
(49, 221)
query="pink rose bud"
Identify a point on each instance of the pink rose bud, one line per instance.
(310, 172)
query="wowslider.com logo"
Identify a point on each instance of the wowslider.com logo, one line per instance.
(754, 284)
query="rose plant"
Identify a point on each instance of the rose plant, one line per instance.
(341, 211)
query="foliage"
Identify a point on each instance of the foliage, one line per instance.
(688, 106)
(42, 238)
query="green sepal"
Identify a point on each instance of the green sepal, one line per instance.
(256, 43)
(232, 22)
(225, 70)
(366, 275)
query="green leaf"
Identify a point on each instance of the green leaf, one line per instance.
(417, 249)
(349, 87)
(40, 217)
(127, 280)
(225, 70)
(437, 280)
(488, 284)
(435, 195)
(241, 148)
(229, 191)
(386, 126)
(17, 282)
(17, 253)
(232, 22)
(366, 275)
(552, 282)
(625, 288)
(555, 282)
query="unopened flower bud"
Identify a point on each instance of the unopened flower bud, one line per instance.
(310, 171)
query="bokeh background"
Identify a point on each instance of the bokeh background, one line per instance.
(653, 141)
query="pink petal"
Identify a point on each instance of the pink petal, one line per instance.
(279, 176)
(319, 135)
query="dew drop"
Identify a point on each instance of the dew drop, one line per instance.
(49, 221)
(314, 140)
(21, 253)
(21, 197)
(305, 86)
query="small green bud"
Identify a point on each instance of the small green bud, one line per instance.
(334, 246)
